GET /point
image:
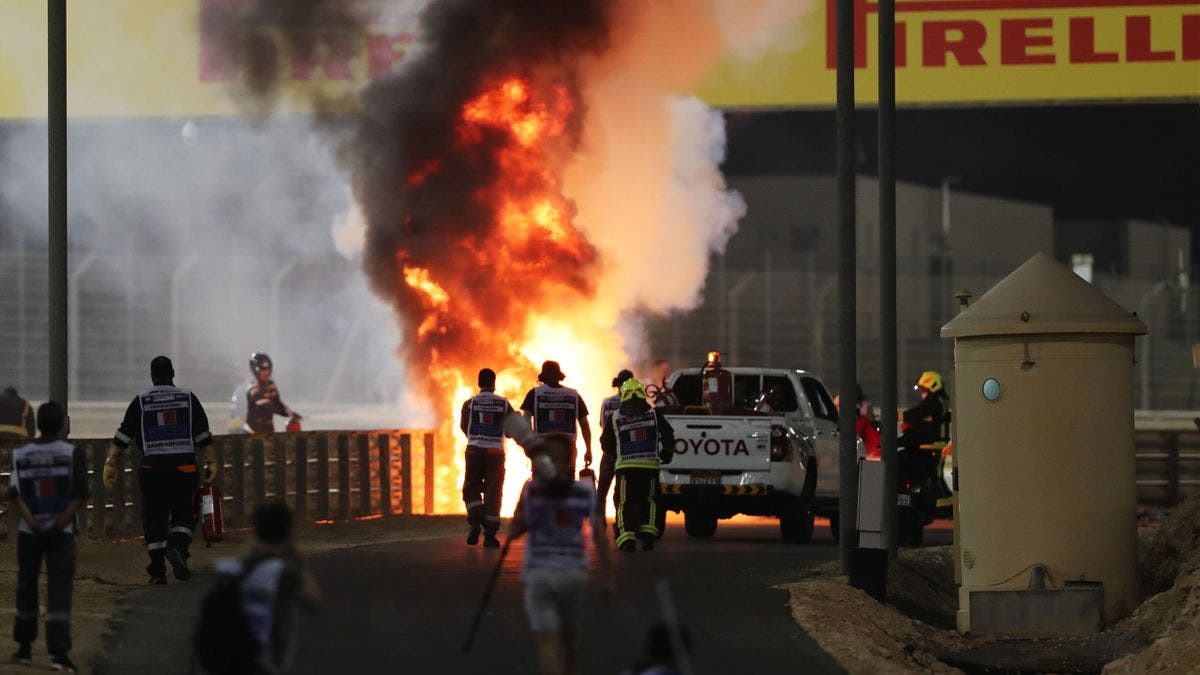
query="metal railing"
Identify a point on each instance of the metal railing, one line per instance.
(1168, 466)
(321, 475)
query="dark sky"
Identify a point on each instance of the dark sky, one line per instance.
(1115, 161)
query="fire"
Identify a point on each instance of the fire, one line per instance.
(419, 279)
(514, 290)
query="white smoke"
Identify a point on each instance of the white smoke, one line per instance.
(647, 182)
(232, 219)
(752, 28)
(349, 232)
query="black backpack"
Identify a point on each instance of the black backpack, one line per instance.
(222, 642)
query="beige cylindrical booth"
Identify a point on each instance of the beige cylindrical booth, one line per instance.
(1044, 449)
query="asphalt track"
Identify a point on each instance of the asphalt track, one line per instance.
(405, 608)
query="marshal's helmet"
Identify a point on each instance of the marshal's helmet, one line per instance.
(259, 361)
(931, 380)
(632, 388)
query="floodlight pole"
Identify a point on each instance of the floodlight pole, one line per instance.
(847, 290)
(56, 117)
(887, 265)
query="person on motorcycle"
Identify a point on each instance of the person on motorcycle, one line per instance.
(927, 423)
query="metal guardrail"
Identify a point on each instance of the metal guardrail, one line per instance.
(1168, 466)
(321, 475)
(343, 475)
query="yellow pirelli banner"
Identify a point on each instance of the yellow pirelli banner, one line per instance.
(985, 51)
(137, 58)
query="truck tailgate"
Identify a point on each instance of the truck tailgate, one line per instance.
(721, 443)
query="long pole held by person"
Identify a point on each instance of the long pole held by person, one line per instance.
(487, 596)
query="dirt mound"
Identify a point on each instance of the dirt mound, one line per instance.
(1174, 549)
(1170, 620)
(867, 637)
(921, 585)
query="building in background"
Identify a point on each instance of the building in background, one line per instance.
(772, 298)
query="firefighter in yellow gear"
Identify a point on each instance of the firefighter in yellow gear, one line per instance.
(641, 439)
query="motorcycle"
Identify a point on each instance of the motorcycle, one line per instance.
(921, 489)
(916, 500)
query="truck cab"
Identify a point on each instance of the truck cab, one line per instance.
(746, 457)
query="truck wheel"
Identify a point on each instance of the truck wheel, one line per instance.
(699, 524)
(796, 526)
(835, 526)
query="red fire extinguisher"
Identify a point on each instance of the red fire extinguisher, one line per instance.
(716, 383)
(208, 509)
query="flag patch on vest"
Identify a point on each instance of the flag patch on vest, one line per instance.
(167, 417)
(44, 487)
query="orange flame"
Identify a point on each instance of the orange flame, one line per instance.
(518, 293)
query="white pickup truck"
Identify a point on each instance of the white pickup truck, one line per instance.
(783, 463)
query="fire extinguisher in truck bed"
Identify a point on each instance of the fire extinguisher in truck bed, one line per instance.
(208, 512)
(716, 383)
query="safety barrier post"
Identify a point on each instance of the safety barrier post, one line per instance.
(258, 472)
(429, 474)
(343, 469)
(364, 473)
(120, 494)
(238, 469)
(82, 521)
(384, 444)
(300, 465)
(218, 450)
(1172, 439)
(133, 490)
(323, 476)
(99, 497)
(10, 521)
(279, 455)
(406, 499)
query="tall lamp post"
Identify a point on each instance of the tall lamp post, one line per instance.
(847, 320)
(887, 264)
(56, 117)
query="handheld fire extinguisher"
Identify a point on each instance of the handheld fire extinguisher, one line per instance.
(208, 511)
(716, 383)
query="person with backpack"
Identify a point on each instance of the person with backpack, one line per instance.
(249, 619)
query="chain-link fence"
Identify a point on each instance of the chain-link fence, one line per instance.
(208, 314)
(788, 318)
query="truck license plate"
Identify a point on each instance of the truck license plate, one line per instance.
(706, 478)
(903, 500)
